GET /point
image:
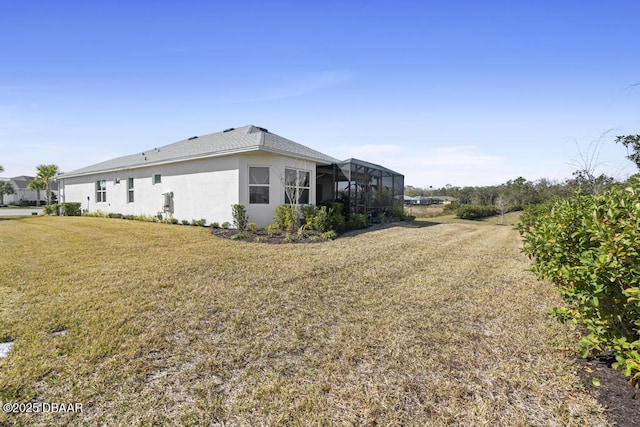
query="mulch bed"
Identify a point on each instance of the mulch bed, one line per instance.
(620, 399)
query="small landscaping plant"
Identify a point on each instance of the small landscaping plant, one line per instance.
(330, 235)
(272, 230)
(357, 221)
(240, 216)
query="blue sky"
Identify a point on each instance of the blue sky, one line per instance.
(445, 92)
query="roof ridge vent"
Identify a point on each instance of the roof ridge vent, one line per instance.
(262, 129)
(193, 137)
(228, 130)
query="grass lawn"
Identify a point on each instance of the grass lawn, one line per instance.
(155, 324)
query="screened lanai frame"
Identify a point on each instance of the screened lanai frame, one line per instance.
(362, 187)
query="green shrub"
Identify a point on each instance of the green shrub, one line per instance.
(302, 232)
(215, 225)
(240, 217)
(239, 236)
(475, 211)
(337, 218)
(309, 214)
(185, 222)
(272, 229)
(357, 221)
(199, 222)
(330, 235)
(114, 215)
(323, 219)
(70, 208)
(589, 247)
(286, 217)
(260, 239)
(253, 227)
(50, 209)
(226, 225)
(397, 211)
(289, 238)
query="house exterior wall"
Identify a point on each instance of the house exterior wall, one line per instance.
(263, 214)
(202, 188)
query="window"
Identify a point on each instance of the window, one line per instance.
(296, 186)
(157, 178)
(259, 185)
(130, 190)
(116, 181)
(101, 191)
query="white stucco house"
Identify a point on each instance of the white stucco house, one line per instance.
(22, 195)
(202, 176)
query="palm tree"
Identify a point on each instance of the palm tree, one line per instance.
(37, 185)
(5, 188)
(45, 175)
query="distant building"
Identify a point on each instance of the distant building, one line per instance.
(429, 200)
(22, 196)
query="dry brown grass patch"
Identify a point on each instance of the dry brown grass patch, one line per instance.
(169, 325)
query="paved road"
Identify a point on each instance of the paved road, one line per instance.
(19, 212)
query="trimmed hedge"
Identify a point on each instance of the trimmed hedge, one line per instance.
(66, 209)
(589, 247)
(475, 211)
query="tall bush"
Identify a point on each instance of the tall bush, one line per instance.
(71, 208)
(588, 246)
(240, 217)
(285, 217)
(323, 220)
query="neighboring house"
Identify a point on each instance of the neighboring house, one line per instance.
(22, 196)
(201, 177)
(429, 200)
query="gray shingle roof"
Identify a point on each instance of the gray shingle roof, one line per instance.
(231, 141)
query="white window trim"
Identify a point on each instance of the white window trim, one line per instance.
(297, 186)
(131, 190)
(249, 185)
(102, 191)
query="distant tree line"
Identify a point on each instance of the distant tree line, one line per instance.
(519, 192)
